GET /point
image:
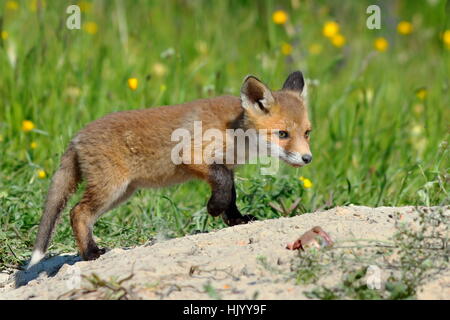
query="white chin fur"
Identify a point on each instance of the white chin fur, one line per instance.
(35, 258)
(293, 158)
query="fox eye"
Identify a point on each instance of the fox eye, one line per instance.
(283, 134)
(307, 133)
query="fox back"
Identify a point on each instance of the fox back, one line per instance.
(125, 151)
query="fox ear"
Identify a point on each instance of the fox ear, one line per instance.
(255, 95)
(295, 82)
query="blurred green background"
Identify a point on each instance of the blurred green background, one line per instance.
(378, 99)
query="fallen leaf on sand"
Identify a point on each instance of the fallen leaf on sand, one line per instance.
(316, 237)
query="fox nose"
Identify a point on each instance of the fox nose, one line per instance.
(307, 158)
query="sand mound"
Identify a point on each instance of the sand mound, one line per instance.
(222, 264)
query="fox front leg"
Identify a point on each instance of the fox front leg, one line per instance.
(223, 197)
(232, 216)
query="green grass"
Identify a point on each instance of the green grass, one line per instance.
(375, 142)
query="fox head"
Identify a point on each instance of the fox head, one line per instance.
(282, 114)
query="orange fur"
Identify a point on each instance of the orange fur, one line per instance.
(127, 150)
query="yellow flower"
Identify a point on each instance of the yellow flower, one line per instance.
(338, 40)
(330, 29)
(133, 83)
(85, 6)
(159, 69)
(12, 5)
(4, 35)
(33, 145)
(306, 182)
(286, 49)
(315, 48)
(405, 27)
(41, 174)
(279, 17)
(381, 44)
(27, 125)
(421, 93)
(90, 27)
(162, 88)
(446, 38)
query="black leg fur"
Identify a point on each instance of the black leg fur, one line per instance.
(232, 216)
(221, 180)
(223, 198)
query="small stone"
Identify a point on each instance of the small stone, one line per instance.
(340, 211)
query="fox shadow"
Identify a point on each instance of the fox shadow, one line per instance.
(49, 266)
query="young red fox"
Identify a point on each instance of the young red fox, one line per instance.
(127, 150)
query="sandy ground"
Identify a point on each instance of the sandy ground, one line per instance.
(224, 263)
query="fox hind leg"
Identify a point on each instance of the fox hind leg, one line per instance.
(92, 205)
(82, 219)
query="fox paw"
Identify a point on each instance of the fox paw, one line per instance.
(93, 254)
(239, 220)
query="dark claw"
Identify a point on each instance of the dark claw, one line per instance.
(94, 254)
